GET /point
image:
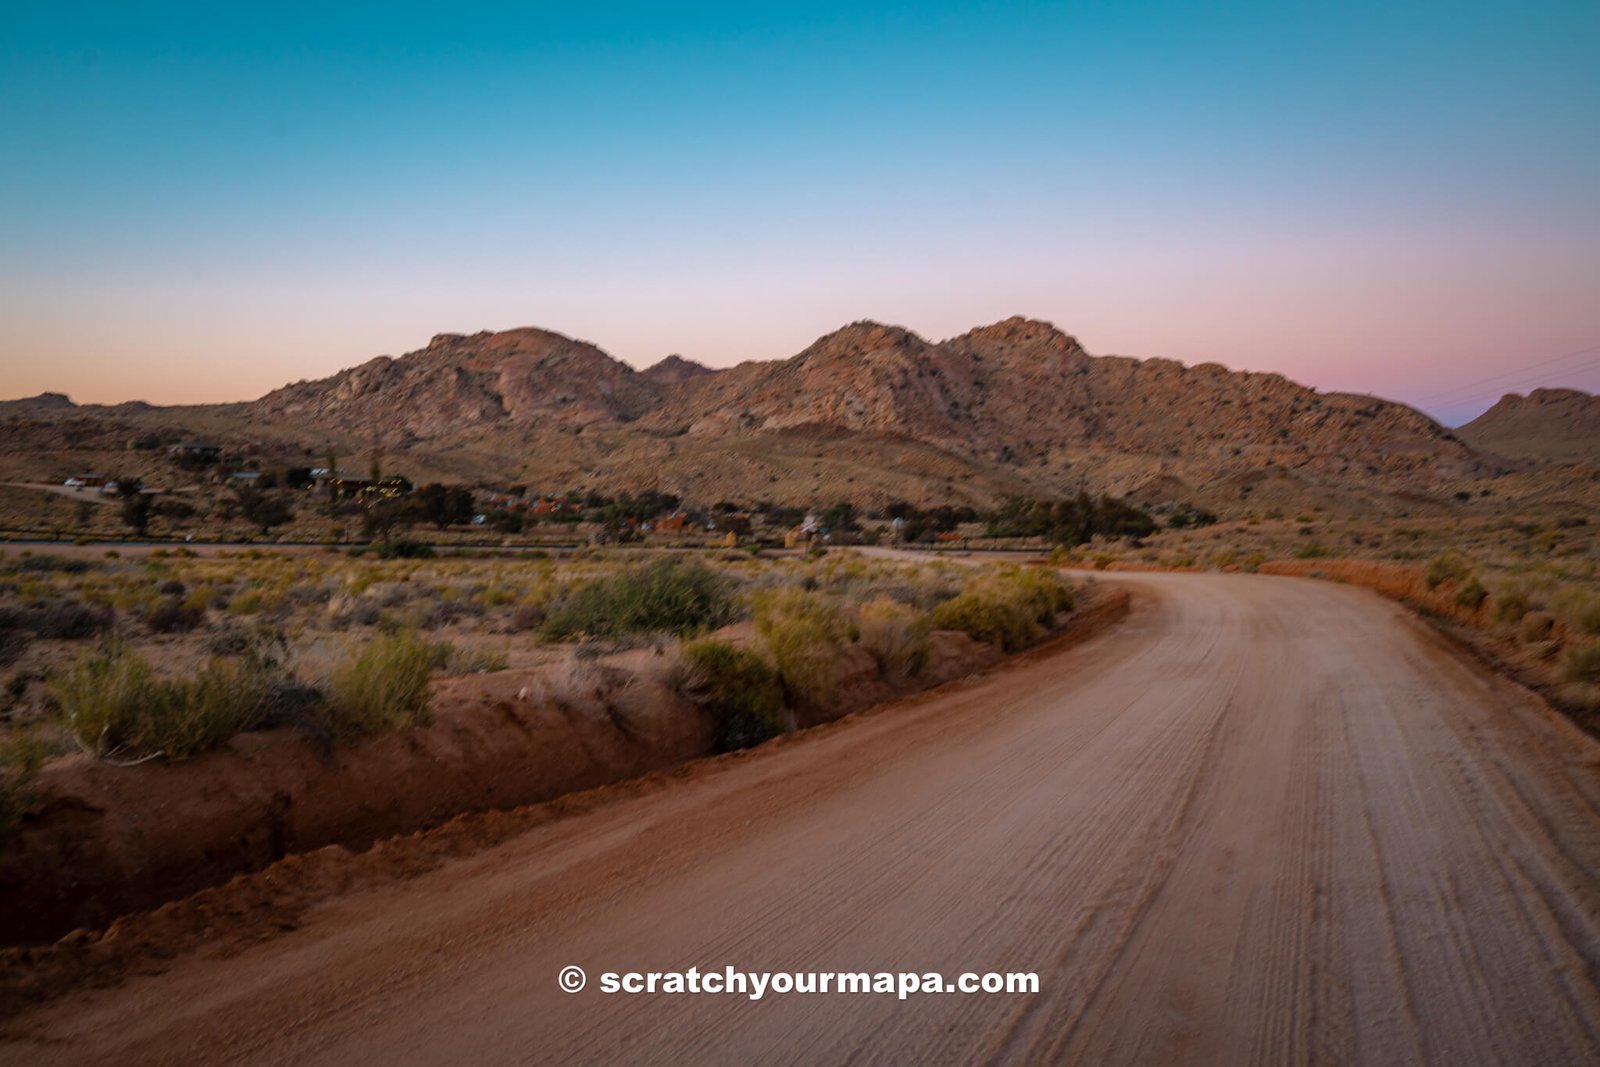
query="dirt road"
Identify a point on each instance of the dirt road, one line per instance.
(1265, 821)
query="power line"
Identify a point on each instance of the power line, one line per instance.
(1516, 376)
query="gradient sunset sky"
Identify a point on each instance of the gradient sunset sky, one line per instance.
(203, 202)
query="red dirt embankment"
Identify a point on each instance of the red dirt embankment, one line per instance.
(101, 841)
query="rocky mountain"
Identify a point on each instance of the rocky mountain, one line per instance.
(674, 370)
(460, 382)
(1560, 425)
(868, 413)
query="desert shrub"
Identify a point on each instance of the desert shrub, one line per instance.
(1581, 662)
(402, 548)
(896, 635)
(68, 620)
(249, 602)
(173, 615)
(1044, 591)
(1471, 594)
(987, 614)
(1580, 609)
(1006, 609)
(526, 617)
(202, 598)
(738, 688)
(803, 633)
(231, 642)
(48, 564)
(14, 641)
(1535, 626)
(384, 686)
(455, 660)
(1446, 568)
(113, 704)
(21, 756)
(1511, 605)
(670, 595)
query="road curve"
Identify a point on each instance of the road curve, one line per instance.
(1265, 821)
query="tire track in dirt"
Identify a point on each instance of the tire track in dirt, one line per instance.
(1266, 821)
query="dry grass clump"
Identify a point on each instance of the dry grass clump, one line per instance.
(384, 686)
(896, 635)
(803, 632)
(455, 660)
(1535, 626)
(114, 705)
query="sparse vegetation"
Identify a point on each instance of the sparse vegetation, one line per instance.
(115, 706)
(1581, 663)
(668, 596)
(21, 756)
(896, 635)
(1007, 609)
(739, 688)
(803, 632)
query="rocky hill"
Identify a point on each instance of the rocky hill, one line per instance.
(674, 370)
(1560, 425)
(868, 413)
(460, 382)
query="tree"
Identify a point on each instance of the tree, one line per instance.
(504, 521)
(443, 505)
(265, 510)
(841, 516)
(135, 505)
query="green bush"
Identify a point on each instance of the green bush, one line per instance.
(382, 687)
(1581, 610)
(670, 595)
(804, 632)
(1007, 609)
(402, 548)
(48, 564)
(1446, 568)
(1581, 662)
(21, 756)
(1472, 594)
(896, 635)
(738, 687)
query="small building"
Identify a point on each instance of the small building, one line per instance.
(677, 522)
(195, 451)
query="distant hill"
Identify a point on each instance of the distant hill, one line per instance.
(1548, 424)
(868, 413)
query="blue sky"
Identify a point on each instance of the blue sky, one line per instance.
(200, 203)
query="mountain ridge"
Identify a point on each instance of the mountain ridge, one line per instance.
(1016, 406)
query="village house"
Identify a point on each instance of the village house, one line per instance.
(195, 451)
(677, 522)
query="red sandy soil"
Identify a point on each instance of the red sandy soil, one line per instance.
(101, 841)
(1268, 821)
